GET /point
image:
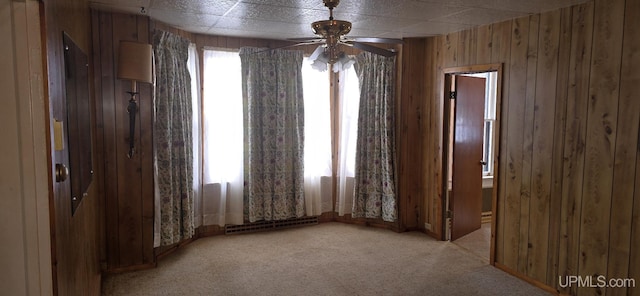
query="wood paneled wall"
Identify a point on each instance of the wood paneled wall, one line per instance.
(569, 185)
(77, 243)
(128, 181)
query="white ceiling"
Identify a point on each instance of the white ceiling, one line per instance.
(282, 19)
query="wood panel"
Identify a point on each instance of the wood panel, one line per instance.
(527, 144)
(410, 151)
(484, 44)
(626, 156)
(500, 54)
(575, 129)
(628, 89)
(544, 113)
(567, 198)
(437, 111)
(602, 117)
(129, 181)
(431, 171)
(557, 164)
(76, 239)
(513, 155)
(450, 50)
(466, 43)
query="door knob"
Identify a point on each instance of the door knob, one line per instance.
(482, 162)
(62, 172)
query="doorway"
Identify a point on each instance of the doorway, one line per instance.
(471, 135)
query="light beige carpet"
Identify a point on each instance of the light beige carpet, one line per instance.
(326, 259)
(477, 242)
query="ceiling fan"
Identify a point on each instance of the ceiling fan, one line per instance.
(332, 33)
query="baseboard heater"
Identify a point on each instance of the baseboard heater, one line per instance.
(270, 225)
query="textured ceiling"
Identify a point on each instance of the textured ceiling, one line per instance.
(282, 19)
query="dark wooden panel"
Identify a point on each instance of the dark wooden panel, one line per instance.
(628, 89)
(98, 131)
(574, 142)
(428, 146)
(601, 137)
(437, 110)
(107, 108)
(129, 177)
(410, 128)
(76, 242)
(145, 140)
(626, 155)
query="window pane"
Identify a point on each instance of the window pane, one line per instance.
(223, 119)
(317, 121)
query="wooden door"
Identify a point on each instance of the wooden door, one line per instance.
(466, 193)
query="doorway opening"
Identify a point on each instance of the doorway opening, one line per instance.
(471, 137)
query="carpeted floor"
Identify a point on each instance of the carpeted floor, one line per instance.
(326, 259)
(477, 242)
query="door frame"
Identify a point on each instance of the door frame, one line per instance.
(447, 74)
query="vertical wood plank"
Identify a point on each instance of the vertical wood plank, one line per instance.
(145, 140)
(601, 138)
(450, 50)
(98, 146)
(527, 144)
(473, 46)
(630, 81)
(513, 151)
(428, 131)
(410, 122)
(438, 114)
(555, 202)
(464, 48)
(544, 111)
(501, 53)
(129, 170)
(110, 164)
(574, 142)
(484, 44)
(626, 153)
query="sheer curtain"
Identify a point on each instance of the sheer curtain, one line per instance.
(222, 139)
(193, 64)
(317, 145)
(349, 96)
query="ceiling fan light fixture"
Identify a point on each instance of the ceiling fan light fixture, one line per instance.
(331, 28)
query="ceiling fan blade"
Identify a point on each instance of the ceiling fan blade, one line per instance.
(319, 50)
(306, 39)
(375, 40)
(287, 46)
(372, 49)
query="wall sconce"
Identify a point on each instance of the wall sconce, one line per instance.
(134, 63)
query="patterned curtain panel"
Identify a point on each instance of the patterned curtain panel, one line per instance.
(375, 193)
(172, 136)
(274, 134)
